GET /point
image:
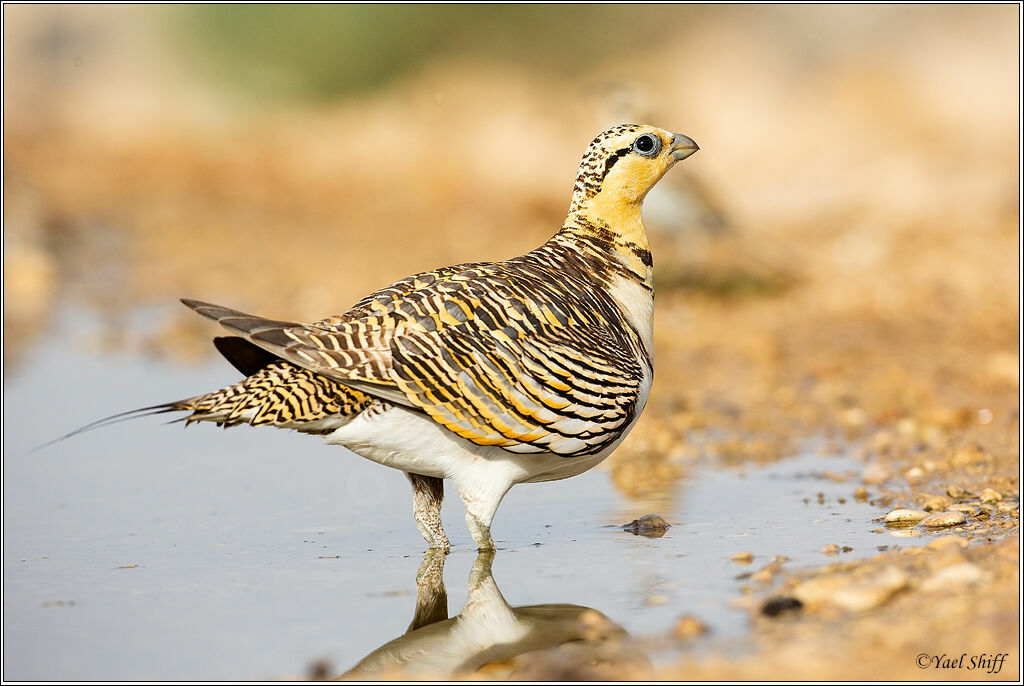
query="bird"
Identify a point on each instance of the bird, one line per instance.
(486, 374)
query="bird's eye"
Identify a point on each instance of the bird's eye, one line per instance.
(647, 145)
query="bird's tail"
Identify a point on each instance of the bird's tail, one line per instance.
(279, 394)
(176, 406)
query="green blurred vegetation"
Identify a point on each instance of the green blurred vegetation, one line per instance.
(320, 52)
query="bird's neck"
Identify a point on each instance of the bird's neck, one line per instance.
(612, 230)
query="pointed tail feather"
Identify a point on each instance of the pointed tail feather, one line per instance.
(177, 406)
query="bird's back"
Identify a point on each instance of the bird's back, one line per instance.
(530, 354)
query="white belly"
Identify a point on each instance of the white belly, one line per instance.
(396, 437)
(412, 442)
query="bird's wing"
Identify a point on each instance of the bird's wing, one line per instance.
(348, 351)
(494, 366)
(569, 391)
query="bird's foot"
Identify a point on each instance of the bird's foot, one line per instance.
(439, 544)
(481, 533)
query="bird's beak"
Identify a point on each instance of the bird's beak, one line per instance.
(682, 146)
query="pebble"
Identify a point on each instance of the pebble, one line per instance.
(954, 491)
(656, 599)
(948, 518)
(897, 516)
(855, 596)
(765, 574)
(968, 509)
(652, 526)
(904, 533)
(873, 592)
(954, 577)
(990, 496)
(936, 503)
(860, 494)
(689, 626)
(943, 542)
(875, 473)
(831, 549)
(744, 558)
(773, 607)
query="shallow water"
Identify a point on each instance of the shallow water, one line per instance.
(144, 551)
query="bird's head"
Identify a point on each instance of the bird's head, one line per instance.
(623, 163)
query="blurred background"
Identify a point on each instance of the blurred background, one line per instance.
(842, 253)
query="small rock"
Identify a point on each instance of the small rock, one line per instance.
(656, 599)
(990, 496)
(875, 473)
(652, 526)
(871, 593)
(935, 503)
(321, 670)
(860, 494)
(688, 627)
(905, 516)
(744, 558)
(955, 577)
(954, 491)
(905, 533)
(967, 508)
(831, 550)
(947, 518)
(765, 574)
(943, 542)
(773, 607)
(966, 455)
(907, 427)
(914, 474)
(847, 594)
(853, 417)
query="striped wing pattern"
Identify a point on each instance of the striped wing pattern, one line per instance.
(513, 354)
(282, 395)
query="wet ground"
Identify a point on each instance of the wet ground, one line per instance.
(145, 551)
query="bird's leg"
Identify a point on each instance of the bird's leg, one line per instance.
(482, 499)
(480, 531)
(427, 496)
(431, 596)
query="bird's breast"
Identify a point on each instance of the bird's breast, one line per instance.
(636, 301)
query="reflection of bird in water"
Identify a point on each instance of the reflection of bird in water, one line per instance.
(487, 632)
(489, 373)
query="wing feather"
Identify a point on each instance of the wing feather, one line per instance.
(498, 357)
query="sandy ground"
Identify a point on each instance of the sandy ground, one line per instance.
(847, 268)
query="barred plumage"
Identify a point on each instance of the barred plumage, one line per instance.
(488, 373)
